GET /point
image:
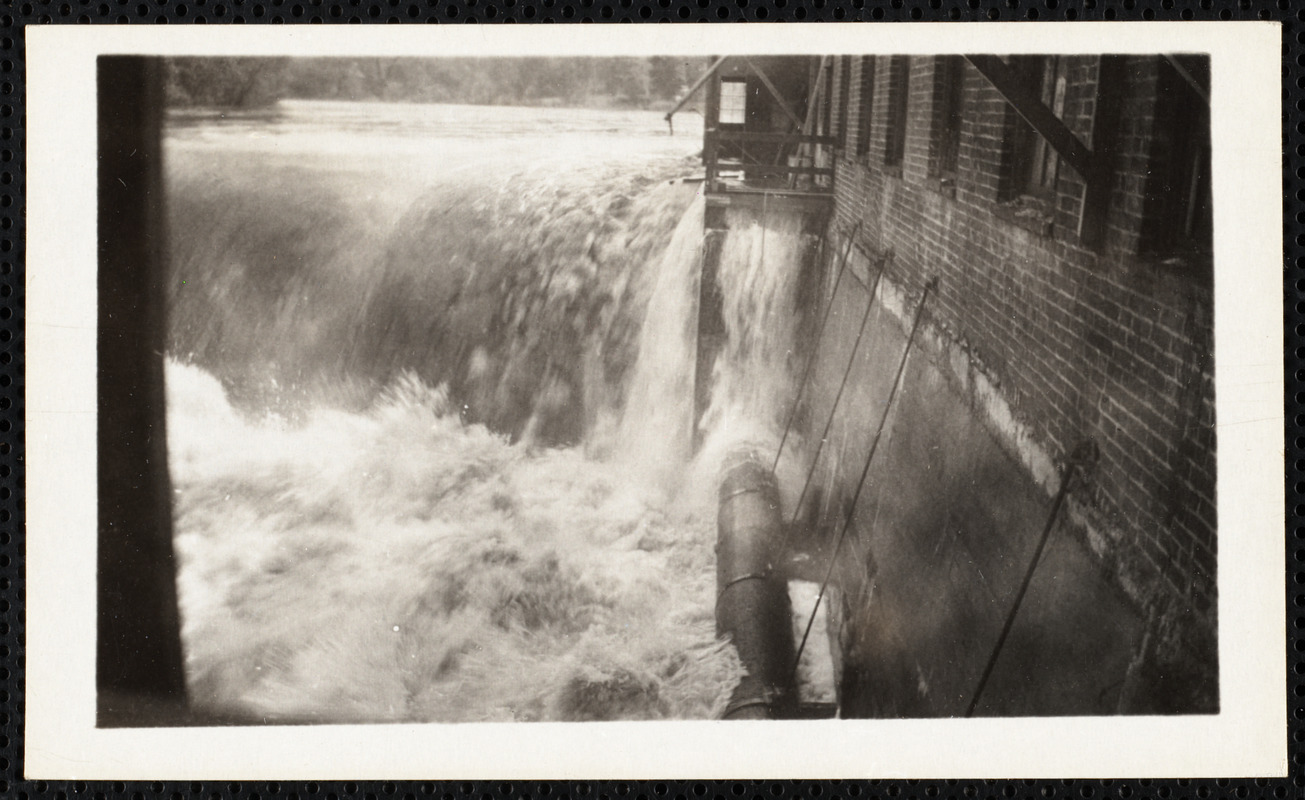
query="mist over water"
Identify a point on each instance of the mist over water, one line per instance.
(430, 412)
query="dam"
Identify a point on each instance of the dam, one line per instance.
(907, 348)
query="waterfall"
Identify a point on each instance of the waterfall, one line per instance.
(431, 437)
(656, 433)
(752, 382)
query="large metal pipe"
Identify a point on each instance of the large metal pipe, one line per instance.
(752, 604)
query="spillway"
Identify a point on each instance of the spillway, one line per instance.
(431, 436)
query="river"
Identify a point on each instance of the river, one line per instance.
(429, 387)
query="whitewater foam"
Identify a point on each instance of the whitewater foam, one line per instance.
(397, 565)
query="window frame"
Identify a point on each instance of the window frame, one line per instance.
(866, 101)
(723, 105)
(899, 92)
(844, 65)
(949, 117)
(1178, 221)
(1035, 165)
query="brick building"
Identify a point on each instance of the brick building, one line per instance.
(1086, 309)
(1063, 203)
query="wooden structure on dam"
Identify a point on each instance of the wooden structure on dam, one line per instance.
(762, 141)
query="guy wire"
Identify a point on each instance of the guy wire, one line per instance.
(874, 446)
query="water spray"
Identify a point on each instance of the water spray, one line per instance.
(820, 335)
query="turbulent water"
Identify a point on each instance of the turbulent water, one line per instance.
(400, 565)
(752, 388)
(430, 396)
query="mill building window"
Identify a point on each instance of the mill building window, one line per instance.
(865, 102)
(844, 66)
(1036, 165)
(950, 96)
(1178, 219)
(899, 86)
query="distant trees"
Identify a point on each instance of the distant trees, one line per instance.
(230, 82)
(227, 82)
(664, 72)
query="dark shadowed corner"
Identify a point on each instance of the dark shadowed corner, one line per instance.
(139, 670)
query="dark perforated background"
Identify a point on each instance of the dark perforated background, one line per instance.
(356, 11)
(14, 16)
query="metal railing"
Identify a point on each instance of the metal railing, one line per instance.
(804, 161)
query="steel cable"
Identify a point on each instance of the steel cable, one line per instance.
(874, 446)
(1080, 456)
(833, 409)
(820, 335)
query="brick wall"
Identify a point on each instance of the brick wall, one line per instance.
(919, 120)
(856, 114)
(1082, 342)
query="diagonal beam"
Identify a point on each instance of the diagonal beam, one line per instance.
(695, 87)
(1105, 141)
(779, 98)
(813, 101)
(1189, 78)
(1029, 105)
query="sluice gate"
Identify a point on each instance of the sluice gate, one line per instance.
(763, 162)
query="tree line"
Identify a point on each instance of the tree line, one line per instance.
(248, 82)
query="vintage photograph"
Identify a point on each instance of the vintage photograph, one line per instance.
(618, 402)
(635, 388)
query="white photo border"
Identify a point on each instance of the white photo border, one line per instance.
(1248, 738)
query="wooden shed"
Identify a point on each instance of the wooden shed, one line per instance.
(762, 137)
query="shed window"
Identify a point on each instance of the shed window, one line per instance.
(733, 102)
